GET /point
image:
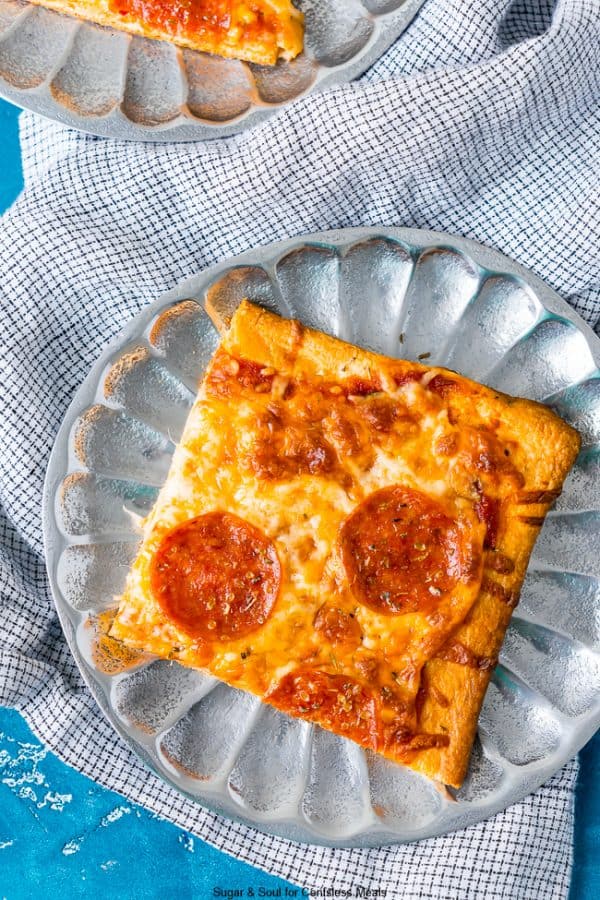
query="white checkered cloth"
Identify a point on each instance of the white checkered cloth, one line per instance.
(482, 120)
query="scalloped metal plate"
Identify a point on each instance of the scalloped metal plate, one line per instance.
(468, 307)
(111, 84)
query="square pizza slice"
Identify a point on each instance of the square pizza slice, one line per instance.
(260, 31)
(345, 536)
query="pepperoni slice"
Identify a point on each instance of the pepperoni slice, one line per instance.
(336, 702)
(402, 553)
(338, 626)
(216, 576)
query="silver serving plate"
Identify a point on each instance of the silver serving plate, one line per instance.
(111, 84)
(471, 309)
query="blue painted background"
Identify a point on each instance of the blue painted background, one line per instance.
(61, 835)
(11, 179)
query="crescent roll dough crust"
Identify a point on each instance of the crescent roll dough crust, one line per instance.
(393, 508)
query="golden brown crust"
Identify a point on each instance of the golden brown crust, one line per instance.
(294, 432)
(259, 31)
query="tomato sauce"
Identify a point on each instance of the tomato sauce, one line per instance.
(197, 16)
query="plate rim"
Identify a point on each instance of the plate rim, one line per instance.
(117, 126)
(490, 261)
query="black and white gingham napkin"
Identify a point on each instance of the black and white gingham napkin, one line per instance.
(482, 120)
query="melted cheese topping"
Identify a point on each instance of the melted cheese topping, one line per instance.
(295, 456)
(345, 536)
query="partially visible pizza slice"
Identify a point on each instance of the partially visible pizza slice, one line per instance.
(345, 536)
(259, 31)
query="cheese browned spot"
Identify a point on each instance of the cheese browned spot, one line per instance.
(199, 16)
(488, 511)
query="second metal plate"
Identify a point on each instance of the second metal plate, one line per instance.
(115, 85)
